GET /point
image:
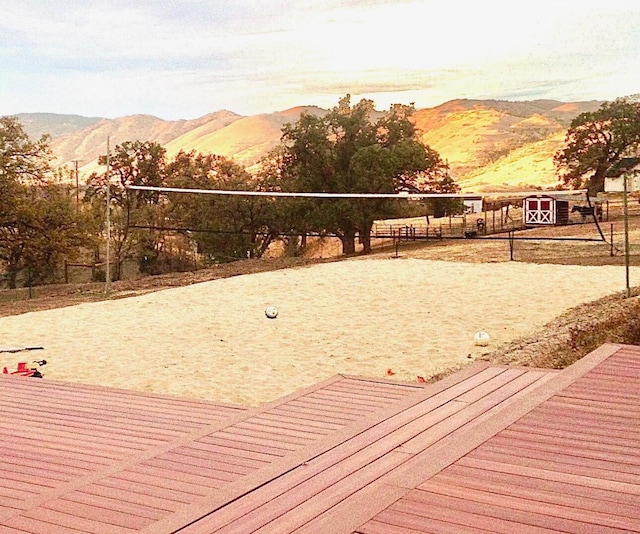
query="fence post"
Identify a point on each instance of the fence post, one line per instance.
(611, 241)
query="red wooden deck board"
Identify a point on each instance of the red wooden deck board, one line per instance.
(448, 428)
(178, 474)
(135, 430)
(190, 456)
(590, 481)
(570, 475)
(137, 485)
(534, 480)
(444, 513)
(71, 432)
(469, 377)
(354, 400)
(367, 390)
(439, 519)
(478, 410)
(575, 436)
(267, 452)
(285, 432)
(277, 420)
(232, 449)
(209, 468)
(517, 509)
(23, 450)
(553, 421)
(42, 463)
(263, 441)
(343, 412)
(125, 495)
(303, 483)
(556, 461)
(88, 439)
(305, 412)
(133, 519)
(347, 453)
(542, 491)
(50, 521)
(300, 495)
(146, 511)
(184, 477)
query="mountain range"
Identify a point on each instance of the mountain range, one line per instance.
(489, 144)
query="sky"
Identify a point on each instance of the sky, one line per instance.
(185, 59)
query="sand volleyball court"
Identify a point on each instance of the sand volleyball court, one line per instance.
(363, 316)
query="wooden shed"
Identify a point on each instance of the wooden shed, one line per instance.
(545, 210)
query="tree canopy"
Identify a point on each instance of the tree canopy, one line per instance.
(224, 227)
(39, 223)
(596, 141)
(355, 149)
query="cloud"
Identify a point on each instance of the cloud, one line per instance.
(180, 60)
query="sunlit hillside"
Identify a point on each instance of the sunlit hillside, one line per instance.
(489, 144)
(86, 144)
(246, 140)
(531, 164)
(499, 145)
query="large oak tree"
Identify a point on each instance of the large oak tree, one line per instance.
(596, 141)
(355, 149)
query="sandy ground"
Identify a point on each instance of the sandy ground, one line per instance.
(363, 316)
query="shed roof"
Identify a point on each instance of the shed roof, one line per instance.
(622, 166)
(347, 455)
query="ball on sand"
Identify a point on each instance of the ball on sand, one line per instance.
(271, 312)
(481, 338)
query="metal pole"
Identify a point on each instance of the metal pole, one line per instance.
(511, 244)
(611, 235)
(107, 285)
(626, 237)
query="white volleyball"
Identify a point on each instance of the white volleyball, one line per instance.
(271, 312)
(481, 338)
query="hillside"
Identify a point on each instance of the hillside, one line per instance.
(493, 144)
(53, 124)
(85, 145)
(246, 140)
(489, 144)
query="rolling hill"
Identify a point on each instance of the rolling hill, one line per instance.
(489, 144)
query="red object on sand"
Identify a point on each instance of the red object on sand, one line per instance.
(390, 372)
(422, 380)
(23, 370)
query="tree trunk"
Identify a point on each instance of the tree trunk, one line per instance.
(596, 183)
(11, 278)
(348, 242)
(365, 239)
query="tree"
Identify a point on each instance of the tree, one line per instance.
(39, 224)
(132, 163)
(224, 227)
(51, 230)
(596, 141)
(349, 150)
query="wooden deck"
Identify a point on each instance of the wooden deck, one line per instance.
(570, 464)
(489, 449)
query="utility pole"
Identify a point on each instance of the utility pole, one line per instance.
(75, 161)
(626, 235)
(107, 285)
